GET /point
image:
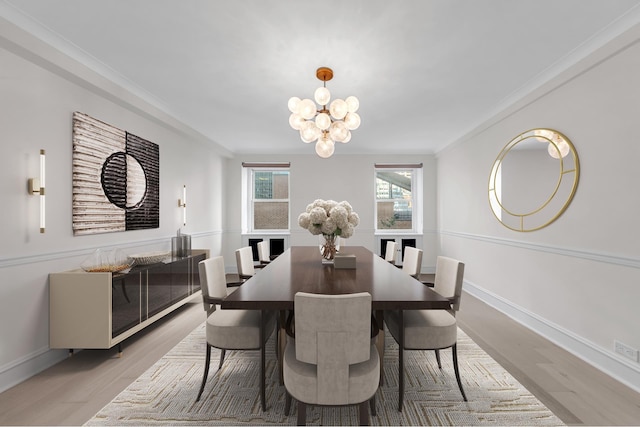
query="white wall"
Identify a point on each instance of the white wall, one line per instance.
(576, 281)
(36, 105)
(341, 177)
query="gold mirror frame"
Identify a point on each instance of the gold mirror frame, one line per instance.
(560, 148)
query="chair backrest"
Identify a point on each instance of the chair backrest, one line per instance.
(333, 332)
(212, 281)
(412, 261)
(244, 261)
(448, 281)
(263, 251)
(390, 252)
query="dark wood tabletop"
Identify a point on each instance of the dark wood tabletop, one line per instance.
(300, 269)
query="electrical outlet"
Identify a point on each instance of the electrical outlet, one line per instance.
(623, 349)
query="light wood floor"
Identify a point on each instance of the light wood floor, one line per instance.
(71, 392)
(575, 391)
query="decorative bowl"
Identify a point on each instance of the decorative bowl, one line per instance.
(147, 258)
(106, 261)
(106, 268)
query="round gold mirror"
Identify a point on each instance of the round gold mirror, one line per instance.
(533, 179)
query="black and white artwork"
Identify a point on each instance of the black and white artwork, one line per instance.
(116, 179)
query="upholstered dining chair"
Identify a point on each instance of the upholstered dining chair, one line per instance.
(244, 262)
(263, 253)
(430, 329)
(230, 329)
(332, 360)
(390, 252)
(412, 261)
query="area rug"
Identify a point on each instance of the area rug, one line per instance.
(165, 394)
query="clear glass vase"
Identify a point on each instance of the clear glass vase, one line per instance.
(329, 246)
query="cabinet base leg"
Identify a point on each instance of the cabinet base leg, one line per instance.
(119, 350)
(70, 352)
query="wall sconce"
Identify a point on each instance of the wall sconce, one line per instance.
(182, 203)
(36, 186)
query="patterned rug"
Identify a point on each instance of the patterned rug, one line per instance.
(165, 394)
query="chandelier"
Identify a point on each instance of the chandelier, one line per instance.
(325, 126)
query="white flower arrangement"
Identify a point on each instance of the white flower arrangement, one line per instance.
(329, 217)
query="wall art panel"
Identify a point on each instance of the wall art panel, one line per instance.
(116, 179)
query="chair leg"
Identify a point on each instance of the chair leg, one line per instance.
(302, 414)
(222, 353)
(400, 378)
(287, 403)
(454, 351)
(372, 403)
(401, 361)
(364, 414)
(206, 371)
(276, 347)
(438, 358)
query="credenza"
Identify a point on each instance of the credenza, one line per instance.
(100, 310)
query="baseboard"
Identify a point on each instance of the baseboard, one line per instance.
(14, 373)
(608, 362)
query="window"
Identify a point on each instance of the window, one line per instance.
(267, 197)
(398, 198)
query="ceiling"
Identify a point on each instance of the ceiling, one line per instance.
(426, 72)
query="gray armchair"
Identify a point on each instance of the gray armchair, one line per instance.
(431, 329)
(244, 262)
(390, 252)
(412, 261)
(230, 329)
(263, 253)
(332, 360)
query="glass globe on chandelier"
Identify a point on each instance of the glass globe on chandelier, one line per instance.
(325, 126)
(557, 147)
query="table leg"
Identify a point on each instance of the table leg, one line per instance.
(263, 394)
(380, 342)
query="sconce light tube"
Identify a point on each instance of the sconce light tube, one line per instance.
(42, 192)
(36, 187)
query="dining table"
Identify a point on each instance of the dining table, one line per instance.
(302, 269)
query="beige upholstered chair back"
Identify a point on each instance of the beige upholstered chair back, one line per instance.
(263, 252)
(390, 252)
(412, 261)
(336, 325)
(333, 332)
(448, 282)
(212, 280)
(244, 261)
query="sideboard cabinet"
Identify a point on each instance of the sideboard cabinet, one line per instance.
(100, 310)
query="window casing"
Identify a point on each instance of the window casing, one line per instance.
(398, 199)
(267, 199)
